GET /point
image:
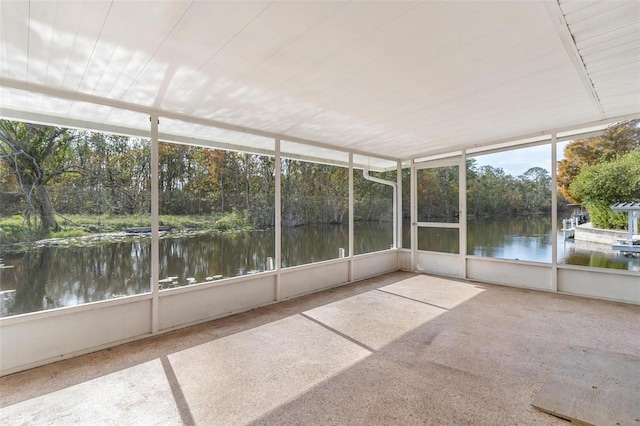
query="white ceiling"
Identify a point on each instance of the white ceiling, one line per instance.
(396, 79)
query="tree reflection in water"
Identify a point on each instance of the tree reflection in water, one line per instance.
(31, 294)
(49, 277)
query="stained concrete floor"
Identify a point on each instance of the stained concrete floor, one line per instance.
(398, 349)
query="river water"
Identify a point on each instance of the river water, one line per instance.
(54, 276)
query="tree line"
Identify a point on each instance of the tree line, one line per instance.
(596, 172)
(491, 193)
(48, 172)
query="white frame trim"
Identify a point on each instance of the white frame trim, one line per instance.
(155, 226)
(460, 162)
(154, 296)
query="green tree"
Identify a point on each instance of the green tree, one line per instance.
(599, 186)
(536, 190)
(36, 155)
(489, 192)
(616, 140)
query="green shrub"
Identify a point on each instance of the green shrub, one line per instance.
(13, 229)
(185, 222)
(601, 185)
(603, 217)
(233, 220)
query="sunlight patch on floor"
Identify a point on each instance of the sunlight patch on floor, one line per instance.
(239, 378)
(437, 291)
(375, 318)
(135, 395)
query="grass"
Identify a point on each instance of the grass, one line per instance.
(14, 229)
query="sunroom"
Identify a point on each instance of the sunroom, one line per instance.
(404, 112)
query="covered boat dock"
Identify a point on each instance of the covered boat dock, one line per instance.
(632, 244)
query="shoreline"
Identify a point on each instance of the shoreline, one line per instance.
(108, 237)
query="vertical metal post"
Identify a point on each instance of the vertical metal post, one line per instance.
(398, 216)
(395, 216)
(351, 244)
(554, 213)
(414, 217)
(278, 216)
(462, 218)
(155, 211)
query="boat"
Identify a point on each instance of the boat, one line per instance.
(146, 229)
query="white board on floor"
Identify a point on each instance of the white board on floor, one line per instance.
(594, 387)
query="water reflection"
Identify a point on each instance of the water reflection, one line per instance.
(49, 277)
(194, 258)
(313, 243)
(596, 255)
(372, 236)
(443, 240)
(36, 266)
(529, 238)
(522, 238)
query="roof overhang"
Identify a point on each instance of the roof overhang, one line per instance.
(394, 80)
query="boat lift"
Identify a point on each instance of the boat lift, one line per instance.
(631, 245)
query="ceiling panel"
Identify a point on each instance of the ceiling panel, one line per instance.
(599, 42)
(389, 78)
(14, 17)
(268, 33)
(195, 40)
(131, 34)
(607, 36)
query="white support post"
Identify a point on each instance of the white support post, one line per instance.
(462, 215)
(278, 216)
(414, 218)
(398, 217)
(395, 216)
(554, 213)
(155, 211)
(351, 244)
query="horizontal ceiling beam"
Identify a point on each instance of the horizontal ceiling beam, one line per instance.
(161, 113)
(544, 135)
(10, 114)
(92, 99)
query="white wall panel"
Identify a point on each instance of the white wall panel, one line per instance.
(36, 339)
(310, 278)
(405, 260)
(513, 273)
(370, 265)
(180, 308)
(600, 283)
(439, 263)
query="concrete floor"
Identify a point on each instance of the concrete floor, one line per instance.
(397, 349)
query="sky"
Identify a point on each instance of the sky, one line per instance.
(518, 161)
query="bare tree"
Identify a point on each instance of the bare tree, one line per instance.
(35, 154)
